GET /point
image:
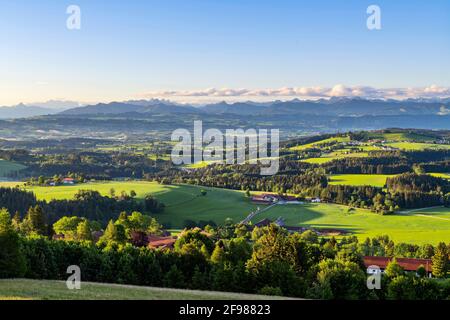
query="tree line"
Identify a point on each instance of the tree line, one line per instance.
(265, 260)
(86, 203)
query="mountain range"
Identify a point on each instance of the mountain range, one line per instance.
(335, 107)
(332, 107)
(23, 111)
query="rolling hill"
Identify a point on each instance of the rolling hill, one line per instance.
(184, 202)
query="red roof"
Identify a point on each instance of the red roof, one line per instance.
(158, 242)
(408, 264)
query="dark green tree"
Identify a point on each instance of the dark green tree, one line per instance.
(393, 269)
(35, 222)
(12, 260)
(440, 261)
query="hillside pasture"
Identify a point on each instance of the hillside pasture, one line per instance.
(402, 136)
(417, 146)
(440, 175)
(320, 142)
(376, 180)
(410, 228)
(185, 202)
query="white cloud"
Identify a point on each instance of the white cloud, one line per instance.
(338, 90)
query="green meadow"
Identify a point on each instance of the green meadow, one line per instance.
(321, 142)
(417, 146)
(327, 157)
(440, 175)
(410, 228)
(401, 136)
(186, 202)
(182, 202)
(376, 180)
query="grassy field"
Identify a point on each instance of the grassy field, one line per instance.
(402, 136)
(182, 202)
(414, 146)
(185, 202)
(321, 142)
(409, 227)
(402, 140)
(376, 180)
(18, 289)
(7, 167)
(327, 157)
(440, 175)
(441, 213)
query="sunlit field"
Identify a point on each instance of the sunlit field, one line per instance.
(407, 227)
(413, 146)
(185, 202)
(376, 180)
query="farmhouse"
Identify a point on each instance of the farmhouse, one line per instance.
(408, 264)
(161, 242)
(264, 198)
(268, 198)
(68, 181)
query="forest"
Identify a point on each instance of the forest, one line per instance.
(265, 260)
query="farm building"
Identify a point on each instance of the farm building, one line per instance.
(268, 198)
(408, 264)
(68, 181)
(161, 242)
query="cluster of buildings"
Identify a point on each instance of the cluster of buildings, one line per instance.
(376, 265)
(65, 181)
(269, 198)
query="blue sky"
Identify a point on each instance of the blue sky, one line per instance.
(129, 49)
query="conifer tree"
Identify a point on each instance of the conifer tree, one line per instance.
(35, 222)
(84, 231)
(16, 220)
(12, 260)
(440, 261)
(218, 255)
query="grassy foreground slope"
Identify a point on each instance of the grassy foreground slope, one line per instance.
(57, 290)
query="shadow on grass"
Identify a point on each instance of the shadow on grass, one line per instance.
(348, 229)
